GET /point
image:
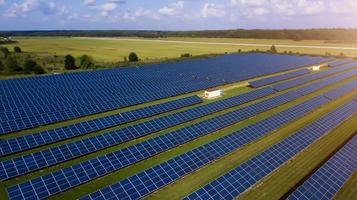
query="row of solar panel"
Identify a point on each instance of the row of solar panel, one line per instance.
(49, 157)
(331, 176)
(24, 164)
(340, 62)
(35, 140)
(146, 182)
(94, 100)
(277, 78)
(169, 171)
(55, 115)
(236, 181)
(312, 77)
(102, 165)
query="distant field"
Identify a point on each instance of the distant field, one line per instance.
(114, 50)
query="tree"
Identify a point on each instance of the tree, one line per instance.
(86, 62)
(69, 62)
(273, 49)
(185, 55)
(133, 57)
(11, 64)
(17, 49)
(29, 65)
(4, 51)
(38, 70)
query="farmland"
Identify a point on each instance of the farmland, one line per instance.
(114, 50)
(273, 186)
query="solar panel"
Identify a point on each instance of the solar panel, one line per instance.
(31, 162)
(325, 82)
(277, 78)
(331, 176)
(340, 62)
(351, 86)
(31, 141)
(93, 168)
(31, 102)
(312, 77)
(173, 169)
(236, 181)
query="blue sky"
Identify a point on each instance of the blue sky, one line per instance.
(176, 14)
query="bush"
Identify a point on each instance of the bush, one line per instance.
(17, 49)
(69, 62)
(11, 64)
(4, 52)
(273, 49)
(185, 55)
(38, 70)
(133, 57)
(29, 65)
(85, 62)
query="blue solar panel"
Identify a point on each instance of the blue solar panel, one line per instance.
(31, 102)
(351, 86)
(236, 181)
(325, 82)
(31, 141)
(188, 162)
(312, 77)
(330, 177)
(122, 158)
(340, 62)
(56, 155)
(270, 80)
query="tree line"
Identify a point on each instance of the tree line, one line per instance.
(297, 34)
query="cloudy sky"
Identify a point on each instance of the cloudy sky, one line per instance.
(176, 14)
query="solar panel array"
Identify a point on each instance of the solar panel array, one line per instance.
(325, 82)
(277, 78)
(31, 162)
(99, 166)
(347, 87)
(31, 102)
(330, 177)
(167, 172)
(31, 141)
(312, 77)
(340, 62)
(236, 181)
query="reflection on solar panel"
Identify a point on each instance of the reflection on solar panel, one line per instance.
(22, 143)
(312, 77)
(330, 177)
(270, 80)
(135, 131)
(52, 156)
(31, 102)
(340, 62)
(160, 175)
(233, 183)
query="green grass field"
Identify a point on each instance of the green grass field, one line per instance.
(272, 187)
(112, 50)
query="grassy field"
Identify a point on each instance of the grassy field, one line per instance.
(272, 187)
(112, 50)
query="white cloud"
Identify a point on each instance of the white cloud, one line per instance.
(348, 7)
(89, 2)
(141, 12)
(173, 9)
(295, 7)
(253, 3)
(213, 10)
(2, 2)
(22, 8)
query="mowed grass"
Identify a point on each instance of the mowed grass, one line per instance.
(112, 50)
(176, 190)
